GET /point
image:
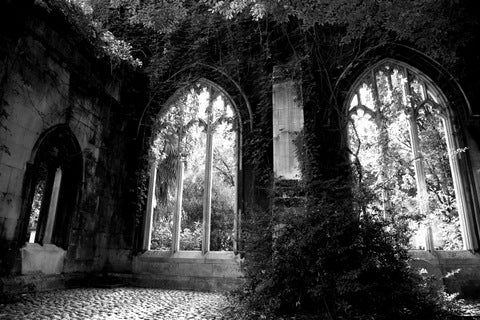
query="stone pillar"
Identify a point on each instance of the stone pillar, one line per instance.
(207, 191)
(429, 245)
(422, 194)
(466, 209)
(177, 214)
(52, 209)
(147, 228)
(419, 166)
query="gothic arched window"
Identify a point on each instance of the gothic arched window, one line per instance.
(52, 187)
(193, 179)
(400, 131)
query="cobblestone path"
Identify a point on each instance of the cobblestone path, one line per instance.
(119, 303)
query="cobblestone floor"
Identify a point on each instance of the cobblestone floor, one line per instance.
(135, 303)
(118, 303)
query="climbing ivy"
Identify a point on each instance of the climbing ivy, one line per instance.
(325, 256)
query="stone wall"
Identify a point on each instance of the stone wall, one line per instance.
(51, 76)
(215, 271)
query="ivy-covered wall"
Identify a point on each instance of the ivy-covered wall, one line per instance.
(52, 73)
(51, 76)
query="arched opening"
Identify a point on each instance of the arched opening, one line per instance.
(194, 157)
(401, 134)
(52, 190)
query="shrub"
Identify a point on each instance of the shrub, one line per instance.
(330, 261)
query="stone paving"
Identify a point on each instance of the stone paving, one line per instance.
(118, 303)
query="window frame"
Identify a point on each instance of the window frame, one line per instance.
(152, 175)
(459, 165)
(62, 188)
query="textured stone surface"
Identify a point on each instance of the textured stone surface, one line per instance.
(459, 271)
(47, 259)
(188, 270)
(118, 303)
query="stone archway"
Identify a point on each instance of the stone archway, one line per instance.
(51, 192)
(205, 265)
(459, 116)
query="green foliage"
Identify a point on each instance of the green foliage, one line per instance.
(181, 133)
(327, 259)
(441, 28)
(191, 238)
(161, 234)
(86, 19)
(192, 213)
(118, 50)
(323, 261)
(381, 143)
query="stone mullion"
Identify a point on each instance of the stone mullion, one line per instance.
(420, 177)
(207, 192)
(237, 211)
(177, 213)
(467, 224)
(383, 139)
(52, 210)
(147, 235)
(422, 194)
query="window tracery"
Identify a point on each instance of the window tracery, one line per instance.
(401, 133)
(192, 197)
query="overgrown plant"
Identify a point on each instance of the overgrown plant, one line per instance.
(331, 262)
(327, 259)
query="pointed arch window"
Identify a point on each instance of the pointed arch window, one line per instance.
(192, 201)
(401, 134)
(52, 188)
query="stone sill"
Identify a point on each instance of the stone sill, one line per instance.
(212, 257)
(443, 255)
(46, 259)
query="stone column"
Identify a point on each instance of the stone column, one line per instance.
(207, 191)
(52, 209)
(147, 228)
(422, 194)
(177, 214)
(465, 209)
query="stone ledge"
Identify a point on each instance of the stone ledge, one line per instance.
(458, 271)
(40, 282)
(190, 270)
(46, 259)
(180, 282)
(212, 257)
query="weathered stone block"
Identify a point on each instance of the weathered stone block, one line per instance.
(5, 172)
(72, 265)
(18, 156)
(195, 269)
(7, 228)
(15, 134)
(15, 181)
(226, 271)
(47, 259)
(11, 206)
(84, 252)
(119, 260)
(188, 270)
(24, 116)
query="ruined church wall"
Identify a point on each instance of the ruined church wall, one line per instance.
(51, 78)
